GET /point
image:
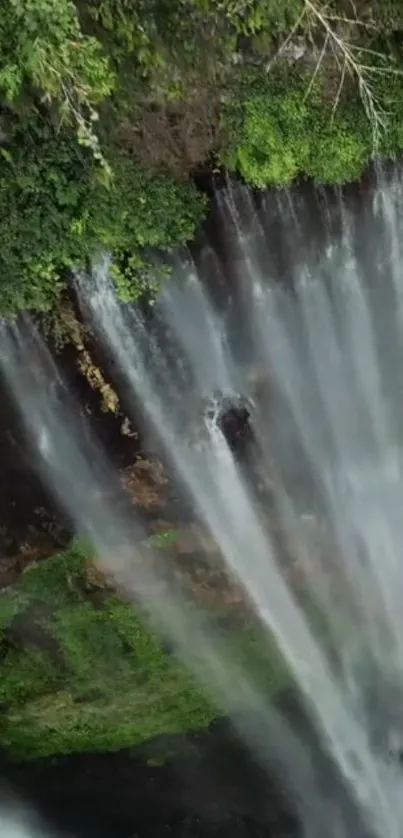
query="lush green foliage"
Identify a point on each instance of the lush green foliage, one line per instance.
(56, 211)
(107, 107)
(325, 113)
(281, 127)
(43, 178)
(66, 189)
(139, 210)
(42, 48)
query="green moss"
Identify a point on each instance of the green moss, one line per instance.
(100, 680)
(59, 724)
(11, 603)
(26, 676)
(57, 581)
(84, 672)
(257, 655)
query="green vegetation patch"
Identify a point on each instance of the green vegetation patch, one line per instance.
(79, 669)
(108, 108)
(282, 127)
(327, 99)
(57, 211)
(79, 672)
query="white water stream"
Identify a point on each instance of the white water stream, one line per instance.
(313, 341)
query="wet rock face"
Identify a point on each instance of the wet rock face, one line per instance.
(234, 422)
(200, 785)
(204, 784)
(31, 525)
(230, 413)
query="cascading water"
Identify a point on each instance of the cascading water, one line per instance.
(79, 475)
(312, 344)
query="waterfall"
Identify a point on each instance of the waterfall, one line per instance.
(81, 478)
(308, 338)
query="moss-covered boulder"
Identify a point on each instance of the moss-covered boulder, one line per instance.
(81, 671)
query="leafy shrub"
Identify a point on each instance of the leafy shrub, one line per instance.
(250, 17)
(43, 49)
(56, 210)
(339, 153)
(281, 128)
(101, 100)
(273, 147)
(140, 210)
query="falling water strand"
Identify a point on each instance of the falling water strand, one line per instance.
(325, 381)
(319, 347)
(80, 477)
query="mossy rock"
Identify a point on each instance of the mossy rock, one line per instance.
(83, 672)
